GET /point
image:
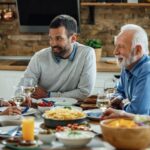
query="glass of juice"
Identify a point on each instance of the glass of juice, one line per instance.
(28, 128)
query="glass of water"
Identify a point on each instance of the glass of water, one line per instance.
(102, 101)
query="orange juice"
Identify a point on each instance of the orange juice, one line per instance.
(28, 128)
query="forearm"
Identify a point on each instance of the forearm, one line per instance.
(77, 93)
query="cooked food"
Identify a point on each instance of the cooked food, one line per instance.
(123, 123)
(64, 114)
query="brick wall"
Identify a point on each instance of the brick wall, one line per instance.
(108, 21)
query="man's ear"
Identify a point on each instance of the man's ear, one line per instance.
(138, 50)
(74, 38)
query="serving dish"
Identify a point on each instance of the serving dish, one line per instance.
(63, 117)
(75, 138)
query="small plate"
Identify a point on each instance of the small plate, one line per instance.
(61, 101)
(93, 114)
(16, 146)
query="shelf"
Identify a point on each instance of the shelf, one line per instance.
(92, 5)
(7, 2)
(115, 4)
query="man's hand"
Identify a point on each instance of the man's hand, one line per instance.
(116, 103)
(27, 102)
(39, 93)
(11, 111)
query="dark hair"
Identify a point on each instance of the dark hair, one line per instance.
(66, 21)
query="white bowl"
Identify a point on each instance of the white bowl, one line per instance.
(44, 108)
(46, 138)
(75, 138)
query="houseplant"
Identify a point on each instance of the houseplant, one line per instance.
(97, 45)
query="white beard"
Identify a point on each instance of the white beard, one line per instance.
(126, 62)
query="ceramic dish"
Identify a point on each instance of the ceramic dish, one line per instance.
(61, 101)
(51, 123)
(8, 131)
(16, 146)
(76, 138)
(93, 114)
(30, 111)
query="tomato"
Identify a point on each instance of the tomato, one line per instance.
(45, 104)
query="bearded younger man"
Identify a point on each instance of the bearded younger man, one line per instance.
(131, 51)
(66, 68)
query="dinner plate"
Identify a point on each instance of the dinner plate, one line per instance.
(30, 111)
(8, 131)
(68, 107)
(93, 114)
(61, 101)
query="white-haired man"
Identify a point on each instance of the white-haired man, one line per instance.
(131, 51)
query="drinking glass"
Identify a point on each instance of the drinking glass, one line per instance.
(102, 101)
(28, 86)
(18, 97)
(109, 88)
(28, 128)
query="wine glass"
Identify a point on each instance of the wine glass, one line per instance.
(28, 86)
(109, 88)
(102, 101)
(18, 97)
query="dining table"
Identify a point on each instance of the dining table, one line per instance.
(97, 143)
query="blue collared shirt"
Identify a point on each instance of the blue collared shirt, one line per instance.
(71, 57)
(135, 86)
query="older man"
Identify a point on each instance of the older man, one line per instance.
(131, 51)
(66, 68)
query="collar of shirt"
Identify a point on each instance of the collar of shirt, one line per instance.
(71, 57)
(135, 70)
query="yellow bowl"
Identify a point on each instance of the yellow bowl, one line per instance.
(126, 138)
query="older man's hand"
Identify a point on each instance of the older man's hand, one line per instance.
(116, 103)
(114, 113)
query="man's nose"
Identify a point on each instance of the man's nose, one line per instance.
(116, 51)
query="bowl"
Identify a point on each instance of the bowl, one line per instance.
(75, 138)
(52, 123)
(63, 117)
(43, 109)
(46, 136)
(44, 106)
(126, 137)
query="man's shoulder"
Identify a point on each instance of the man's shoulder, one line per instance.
(43, 52)
(145, 67)
(84, 48)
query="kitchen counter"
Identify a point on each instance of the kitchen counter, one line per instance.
(13, 65)
(20, 65)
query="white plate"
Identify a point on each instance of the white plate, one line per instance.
(6, 129)
(62, 101)
(30, 111)
(93, 114)
(69, 107)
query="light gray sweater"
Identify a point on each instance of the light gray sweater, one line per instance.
(74, 79)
